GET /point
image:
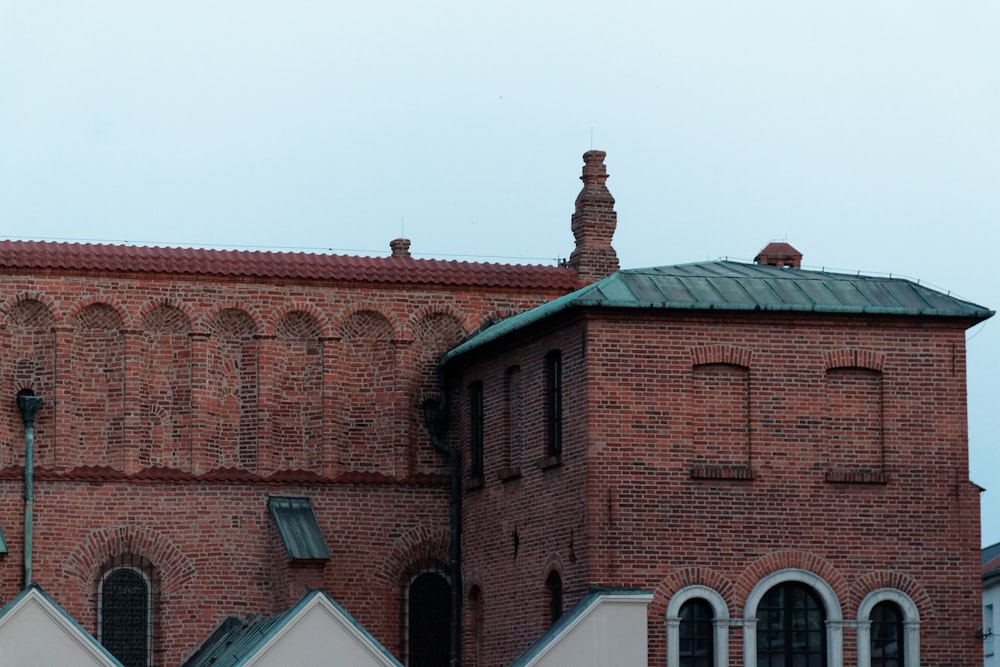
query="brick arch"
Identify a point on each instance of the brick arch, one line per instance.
(871, 581)
(721, 354)
(366, 306)
(322, 321)
(123, 316)
(83, 566)
(554, 563)
(416, 549)
(854, 358)
(688, 576)
(203, 325)
(374, 315)
(490, 318)
(152, 306)
(788, 560)
(42, 298)
(467, 321)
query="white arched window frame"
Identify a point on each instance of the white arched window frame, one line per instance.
(834, 615)
(911, 626)
(720, 623)
(149, 605)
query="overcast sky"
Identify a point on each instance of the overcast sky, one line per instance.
(865, 133)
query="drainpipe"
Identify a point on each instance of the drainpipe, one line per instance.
(436, 423)
(29, 404)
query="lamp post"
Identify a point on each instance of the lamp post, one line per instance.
(28, 403)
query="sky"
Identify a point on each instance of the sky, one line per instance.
(864, 133)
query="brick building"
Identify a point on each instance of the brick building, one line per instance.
(775, 458)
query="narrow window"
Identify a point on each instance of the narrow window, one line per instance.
(427, 631)
(696, 634)
(476, 429)
(125, 619)
(887, 635)
(553, 403)
(554, 592)
(791, 628)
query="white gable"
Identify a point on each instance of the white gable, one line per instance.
(35, 631)
(320, 634)
(609, 630)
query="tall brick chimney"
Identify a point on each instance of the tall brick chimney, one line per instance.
(780, 254)
(594, 222)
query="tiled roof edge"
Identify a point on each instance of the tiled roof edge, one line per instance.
(89, 257)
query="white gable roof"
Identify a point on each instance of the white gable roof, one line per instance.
(317, 632)
(34, 630)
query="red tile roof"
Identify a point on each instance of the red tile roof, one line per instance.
(51, 256)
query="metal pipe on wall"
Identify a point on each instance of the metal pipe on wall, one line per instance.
(29, 404)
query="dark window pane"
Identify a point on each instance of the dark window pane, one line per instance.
(125, 620)
(553, 403)
(696, 634)
(791, 628)
(476, 426)
(886, 635)
(429, 614)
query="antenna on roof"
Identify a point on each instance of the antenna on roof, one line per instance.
(591, 137)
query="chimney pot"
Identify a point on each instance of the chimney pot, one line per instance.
(400, 247)
(781, 254)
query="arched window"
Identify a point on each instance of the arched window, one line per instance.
(791, 627)
(697, 628)
(125, 615)
(888, 630)
(554, 593)
(787, 615)
(427, 631)
(696, 635)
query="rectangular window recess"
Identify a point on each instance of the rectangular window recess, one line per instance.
(857, 476)
(3, 543)
(474, 483)
(736, 472)
(298, 528)
(508, 473)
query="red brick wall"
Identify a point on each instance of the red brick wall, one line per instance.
(188, 395)
(857, 452)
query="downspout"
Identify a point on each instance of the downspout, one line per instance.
(436, 423)
(28, 404)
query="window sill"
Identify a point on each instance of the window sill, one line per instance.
(508, 473)
(734, 472)
(549, 462)
(858, 476)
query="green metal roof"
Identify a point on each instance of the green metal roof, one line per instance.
(734, 286)
(298, 527)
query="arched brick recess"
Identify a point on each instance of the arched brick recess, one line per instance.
(782, 560)
(13, 302)
(162, 436)
(233, 391)
(854, 358)
(418, 548)
(720, 354)
(208, 320)
(82, 567)
(365, 393)
(29, 362)
(871, 581)
(292, 379)
(76, 312)
(153, 306)
(322, 322)
(418, 319)
(357, 307)
(96, 387)
(433, 334)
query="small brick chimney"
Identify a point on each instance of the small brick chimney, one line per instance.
(400, 247)
(779, 254)
(594, 222)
